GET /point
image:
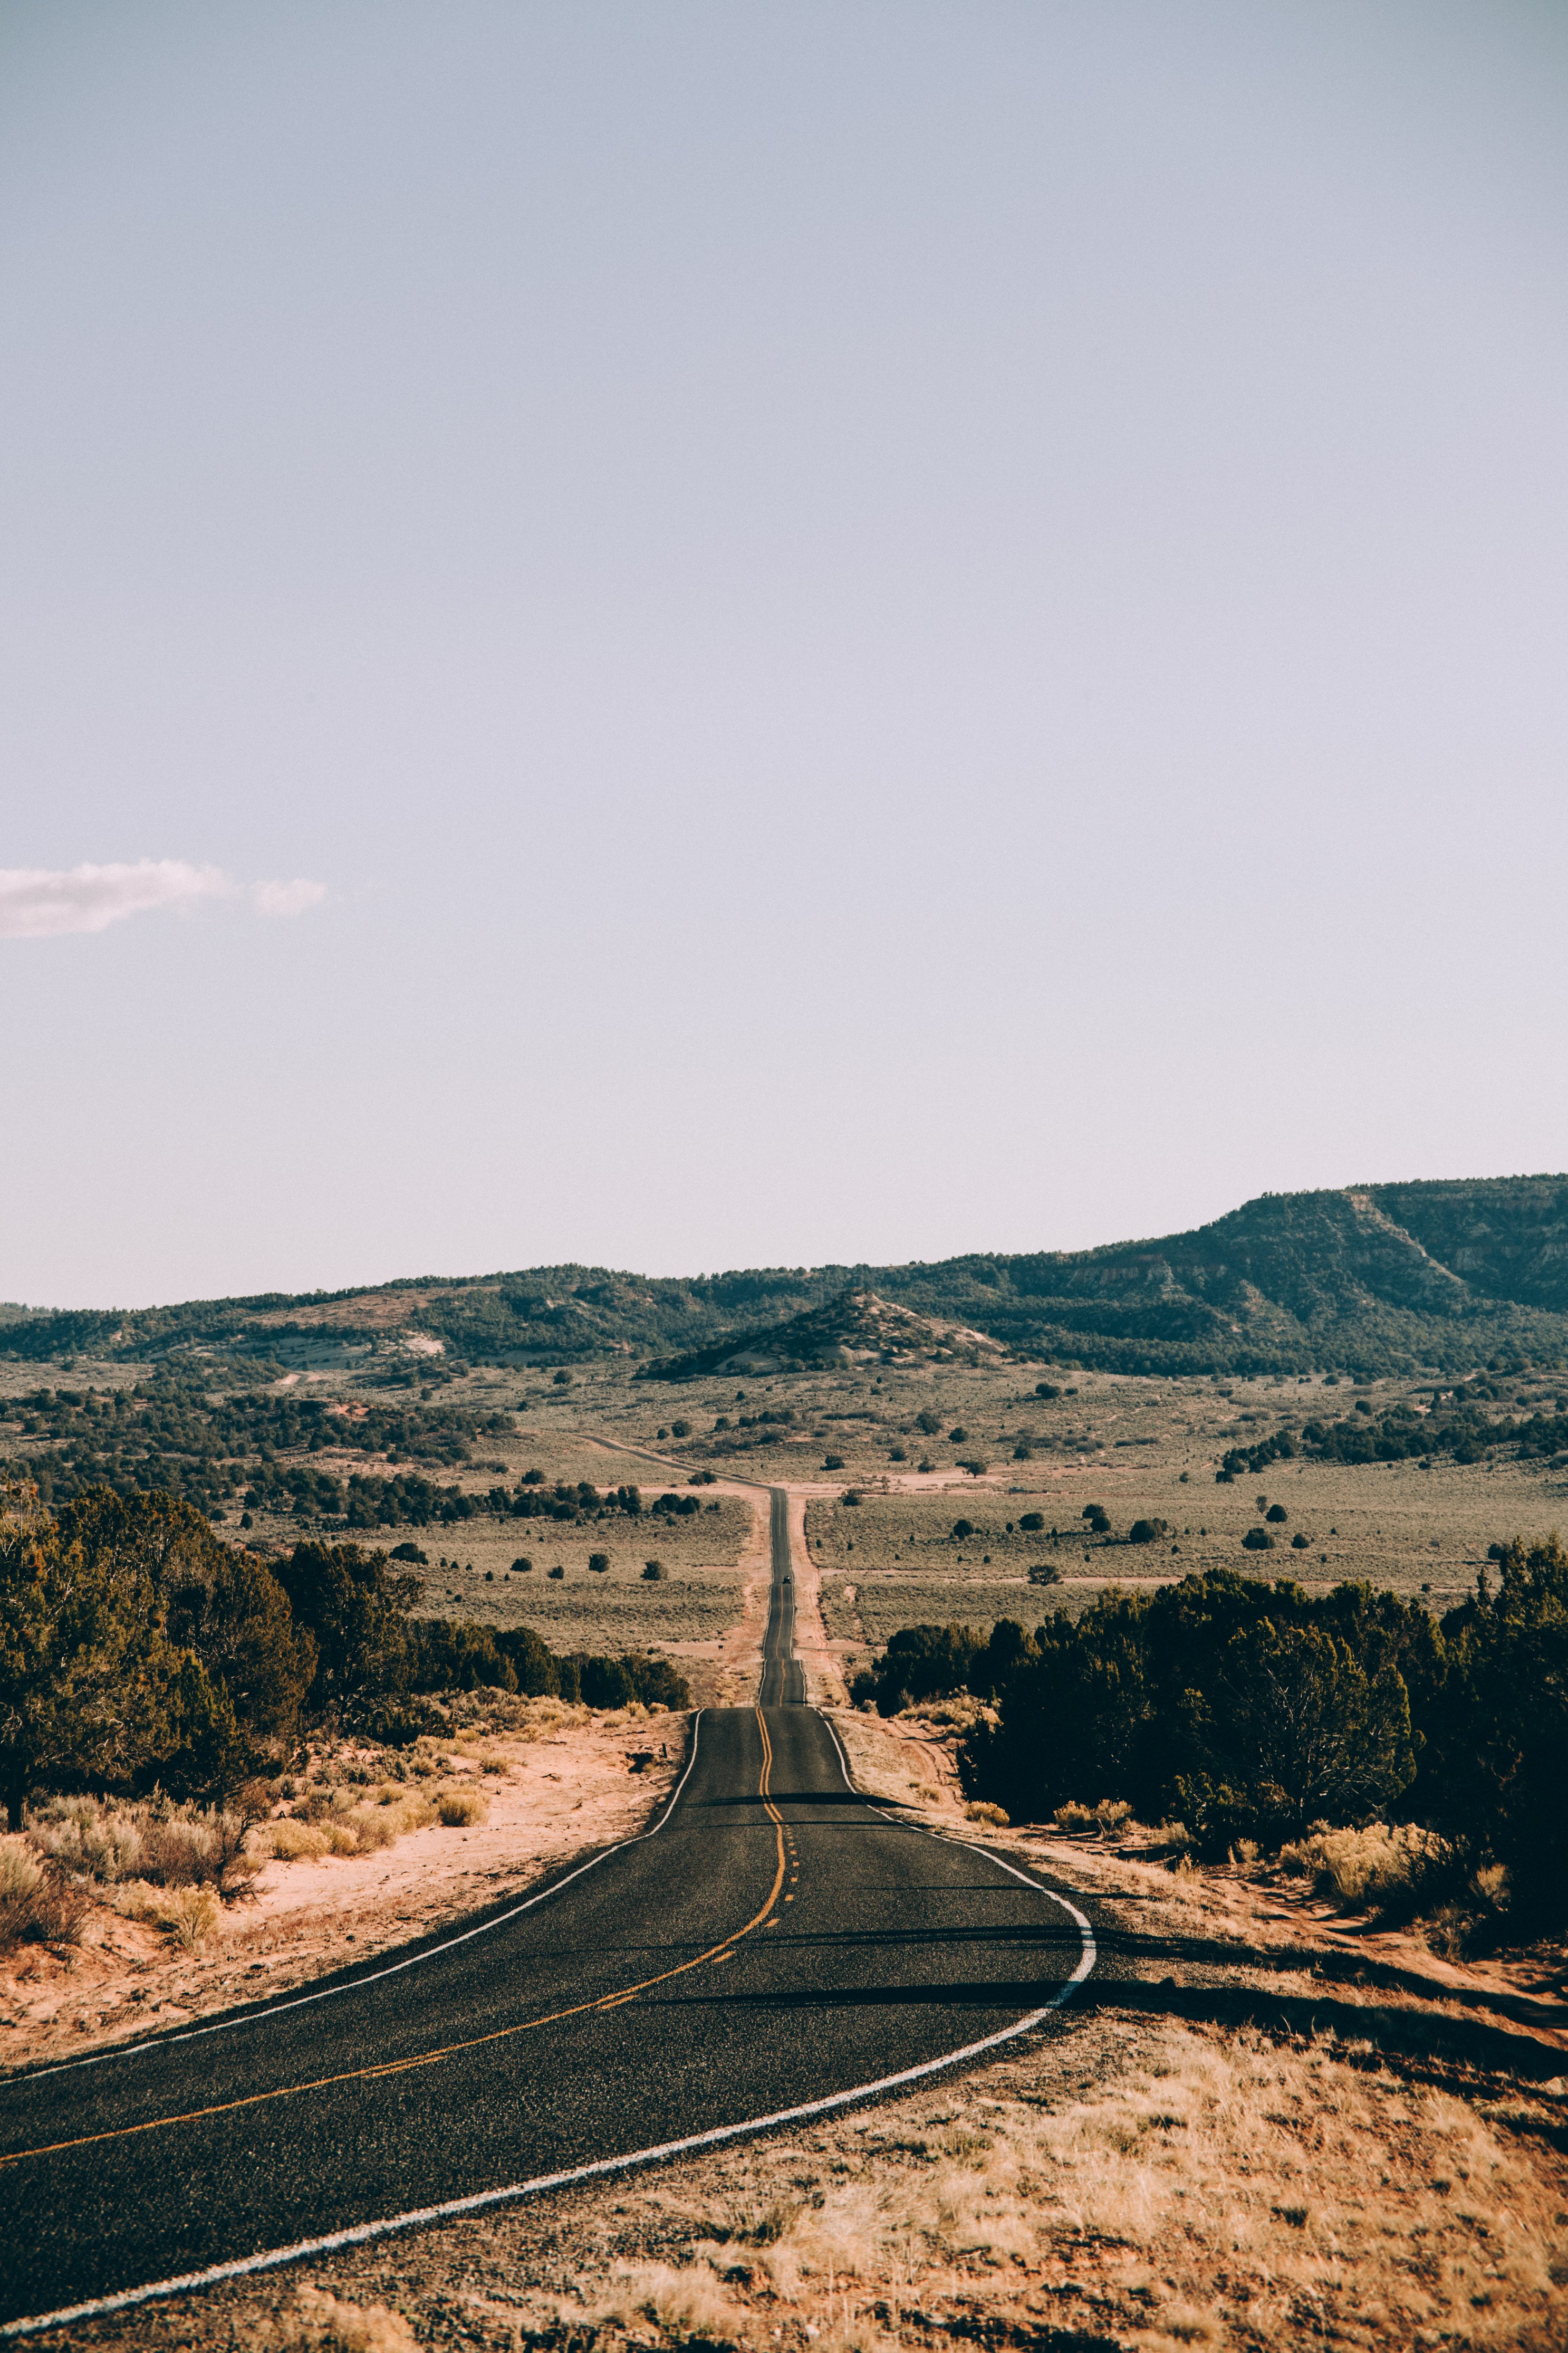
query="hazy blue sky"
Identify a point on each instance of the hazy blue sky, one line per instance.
(702, 634)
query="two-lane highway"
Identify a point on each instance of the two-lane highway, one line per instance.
(772, 1941)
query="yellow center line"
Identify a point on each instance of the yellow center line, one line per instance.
(385, 2067)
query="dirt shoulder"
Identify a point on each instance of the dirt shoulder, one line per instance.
(559, 1782)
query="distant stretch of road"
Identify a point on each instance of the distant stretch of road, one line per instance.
(783, 1677)
(773, 1941)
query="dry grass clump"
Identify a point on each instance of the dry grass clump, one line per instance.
(39, 1904)
(347, 1821)
(320, 2322)
(459, 1807)
(1363, 1867)
(681, 2305)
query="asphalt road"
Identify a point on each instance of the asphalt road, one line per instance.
(782, 1680)
(773, 1940)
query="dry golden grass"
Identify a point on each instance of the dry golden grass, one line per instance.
(320, 2322)
(1360, 1866)
(1222, 2193)
(459, 1807)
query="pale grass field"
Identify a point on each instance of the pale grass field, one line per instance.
(1124, 1442)
(1396, 1525)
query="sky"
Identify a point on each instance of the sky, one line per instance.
(683, 636)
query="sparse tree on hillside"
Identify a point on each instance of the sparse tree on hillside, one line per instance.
(90, 1682)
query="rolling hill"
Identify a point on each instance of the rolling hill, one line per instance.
(1375, 1278)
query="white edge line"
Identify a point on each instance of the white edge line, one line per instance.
(1085, 1927)
(359, 2233)
(354, 1985)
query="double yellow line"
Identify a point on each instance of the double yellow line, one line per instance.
(452, 2050)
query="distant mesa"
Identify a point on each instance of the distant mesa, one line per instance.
(1370, 1279)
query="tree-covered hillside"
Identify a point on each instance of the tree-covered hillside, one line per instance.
(1379, 1278)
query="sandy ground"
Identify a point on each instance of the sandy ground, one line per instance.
(566, 1786)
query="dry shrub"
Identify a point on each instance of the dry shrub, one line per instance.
(293, 1841)
(458, 1808)
(1378, 1864)
(321, 2323)
(190, 1914)
(151, 1841)
(100, 1842)
(1109, 1818)
(343, 1826)
(961, 1712)
(1073, 1818)
(20, 1869)
(39, 1903)
(981, 1810)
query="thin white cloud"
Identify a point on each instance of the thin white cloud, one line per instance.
(37, 904)
(287, 898)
